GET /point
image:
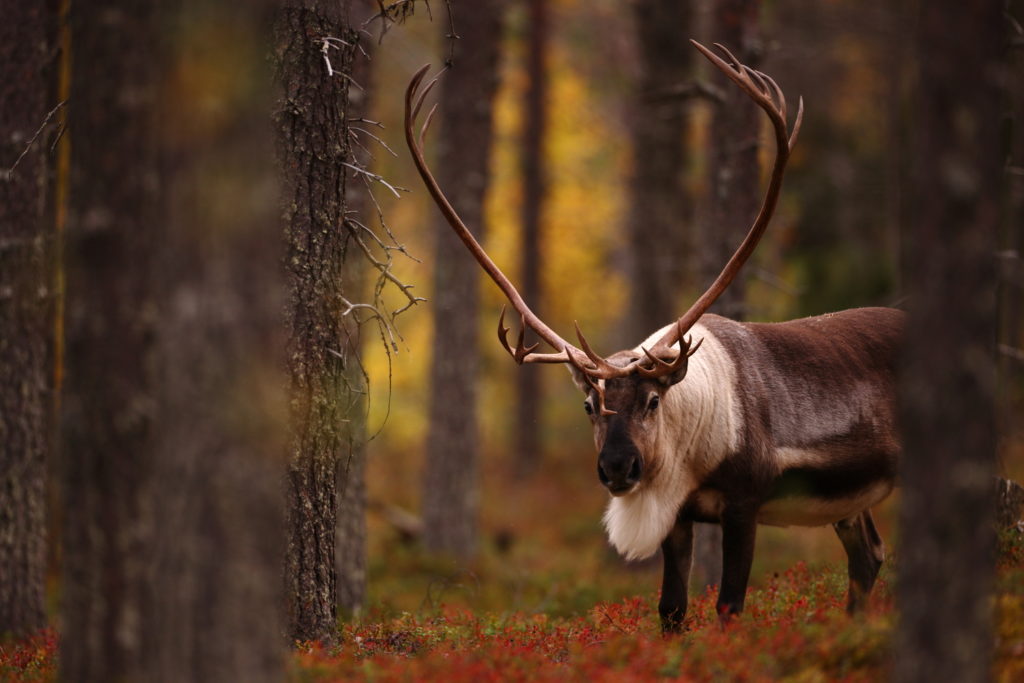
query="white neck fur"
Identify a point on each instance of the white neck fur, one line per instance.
(699, 421)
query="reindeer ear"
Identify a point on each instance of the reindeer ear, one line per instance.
(578, 378)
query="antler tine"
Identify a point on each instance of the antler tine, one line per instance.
(602, 368)
(693, 350)
(412, 89)
(521, 351)
(594, 383)
(736, 64)
(503, 333)
(660, 367)
(777, 95)
(749, 80)
(757, 78)
(426, 124)
(796, 124)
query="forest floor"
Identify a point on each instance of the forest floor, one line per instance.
(546, 599)
(794, 629)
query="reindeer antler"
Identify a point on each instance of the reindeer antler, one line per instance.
(767, 94)
(413, 104)
(661, 359)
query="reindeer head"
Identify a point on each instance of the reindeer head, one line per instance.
(624, 391)
(625, 413)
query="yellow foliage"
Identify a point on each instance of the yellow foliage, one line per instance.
(581, 231)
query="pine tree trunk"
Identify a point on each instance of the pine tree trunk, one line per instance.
(734, 141)
(947, 412)
(1011, 247)
(26, 37)
(660, 208)
(113, 232)
(172, 479)
(534, 177)
(313, 145)
(451, 474)
(735, 192)
(215, 611)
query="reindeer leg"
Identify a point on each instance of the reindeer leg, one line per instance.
(739, 530)
(865, 552)
(677, 551)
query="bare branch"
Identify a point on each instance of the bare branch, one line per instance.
(377, 178)
(451, 36)
(375, 137)
(393, 13)
(39, 131)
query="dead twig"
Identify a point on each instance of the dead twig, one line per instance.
(375, 177)
(451, 36)
(39, 131)
(393, 13)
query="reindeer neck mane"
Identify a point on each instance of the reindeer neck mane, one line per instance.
(699, 426)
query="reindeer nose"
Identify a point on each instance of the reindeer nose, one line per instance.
(619, 475)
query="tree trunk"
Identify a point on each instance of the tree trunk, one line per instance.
(113, 232)
(1011, 247)
(660, 208)
(215, 612)
(26, 38)
(313, 145)
(451, 481)
(172, 543)
(947, 414)
(534, 175)
(735, 192)
(733, 166)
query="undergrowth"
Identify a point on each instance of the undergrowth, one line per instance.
(795, 628)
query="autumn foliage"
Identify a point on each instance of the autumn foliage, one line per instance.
(795, 628)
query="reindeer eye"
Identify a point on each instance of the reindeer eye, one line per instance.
(587, 407)
(652, 402)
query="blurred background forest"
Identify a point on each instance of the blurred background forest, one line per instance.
(180, 375)
(834, 244)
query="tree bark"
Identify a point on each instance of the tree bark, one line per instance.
(733, 166)
(947, 412)
(172, 542)
(26, 38)
(216, 610)
(1011, 247)
(734, 172)
(534, 176)
(313, 145)
(451, 475)
(659, 234)
(114, 228)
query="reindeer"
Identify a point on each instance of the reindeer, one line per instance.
(790, 423)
